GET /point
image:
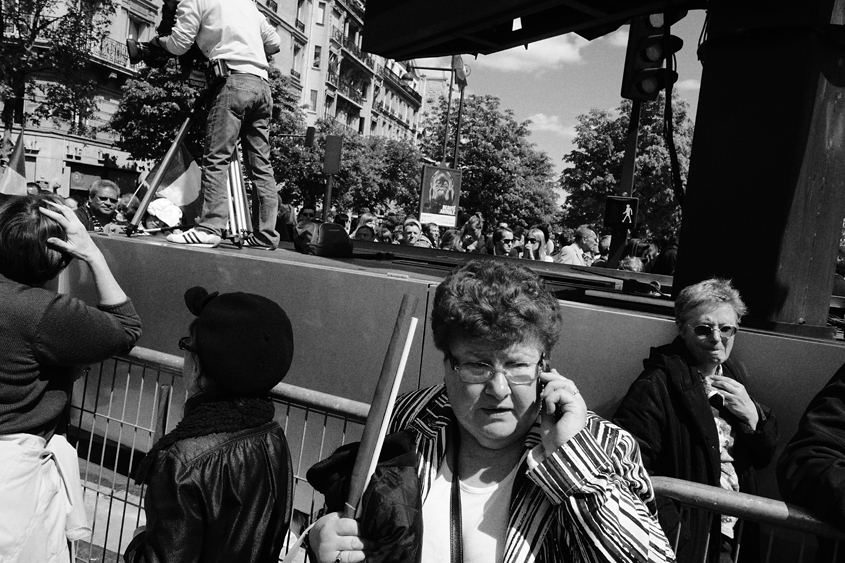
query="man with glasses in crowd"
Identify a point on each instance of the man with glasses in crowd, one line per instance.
(503, 240)
(101, 206)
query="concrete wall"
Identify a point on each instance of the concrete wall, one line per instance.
(343, 313)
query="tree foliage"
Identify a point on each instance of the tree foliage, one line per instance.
(504, 176)
(375, 172)
(596, 165)
(54, 38)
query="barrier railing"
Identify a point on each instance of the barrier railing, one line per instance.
(122, 406)
(788, 532)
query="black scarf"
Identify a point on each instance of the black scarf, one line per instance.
(206, 415)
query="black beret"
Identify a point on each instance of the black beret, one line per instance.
(244, 341)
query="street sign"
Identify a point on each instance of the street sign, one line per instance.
(440, 193)
(621, 212)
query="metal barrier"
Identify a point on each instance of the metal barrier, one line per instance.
(122, 406)
(788, 532)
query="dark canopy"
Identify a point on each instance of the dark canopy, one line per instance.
(407, 29)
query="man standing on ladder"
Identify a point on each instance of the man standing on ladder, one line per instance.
(237, 40)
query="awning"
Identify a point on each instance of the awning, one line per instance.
(408, 29)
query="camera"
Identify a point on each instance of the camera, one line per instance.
(152, 55)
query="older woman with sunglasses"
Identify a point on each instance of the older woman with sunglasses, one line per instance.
(532, 474)
(694, 419)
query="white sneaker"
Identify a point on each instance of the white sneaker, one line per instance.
(252, 241)
(195, 237)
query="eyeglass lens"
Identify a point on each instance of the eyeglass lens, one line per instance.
(104, 198)
(531, 240)
(706, 330)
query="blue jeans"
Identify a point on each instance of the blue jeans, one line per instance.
(241, 108)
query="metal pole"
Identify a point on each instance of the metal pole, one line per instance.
(629, 161)
(458, 130)
(327, 200)
(448, 110)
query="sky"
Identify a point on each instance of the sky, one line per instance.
(555, 80)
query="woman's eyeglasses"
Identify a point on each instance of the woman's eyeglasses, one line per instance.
(523, 373)
(725, 331)
(531, 240)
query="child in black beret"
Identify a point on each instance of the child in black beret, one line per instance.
(220, 485)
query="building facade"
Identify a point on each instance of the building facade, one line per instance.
(321, 52)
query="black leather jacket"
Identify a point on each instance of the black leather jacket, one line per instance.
(224, 497)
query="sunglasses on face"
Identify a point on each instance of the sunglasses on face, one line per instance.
(726, 331)
(507, 241)
(106, 198)
(531, 240)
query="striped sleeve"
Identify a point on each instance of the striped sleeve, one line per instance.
(603, 495)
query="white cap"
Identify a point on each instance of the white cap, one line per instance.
(166, 211)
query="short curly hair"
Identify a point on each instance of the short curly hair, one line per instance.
(494, 301)
(715, 291)
(24, 255)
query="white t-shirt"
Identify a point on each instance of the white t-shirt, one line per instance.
(484, 519)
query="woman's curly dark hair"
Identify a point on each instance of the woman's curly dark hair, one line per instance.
(497, 302)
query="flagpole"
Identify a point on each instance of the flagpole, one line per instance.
(165, 164)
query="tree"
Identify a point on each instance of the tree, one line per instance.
(375, 172)
(54, 38)
(155, 105)
(504, 176)
(596, 165)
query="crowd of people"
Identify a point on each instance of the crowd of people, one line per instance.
(505, 451)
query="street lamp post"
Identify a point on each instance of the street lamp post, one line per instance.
(461, 84)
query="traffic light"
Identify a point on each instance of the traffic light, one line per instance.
(649, 46)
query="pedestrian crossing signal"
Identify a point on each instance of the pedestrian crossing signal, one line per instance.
(621, 212)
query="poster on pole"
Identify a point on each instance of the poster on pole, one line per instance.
(440, 193)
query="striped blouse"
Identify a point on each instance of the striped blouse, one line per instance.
(590, 501)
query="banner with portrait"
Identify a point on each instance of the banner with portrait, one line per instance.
(440, 194)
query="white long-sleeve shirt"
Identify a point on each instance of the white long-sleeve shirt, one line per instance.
(232, 30)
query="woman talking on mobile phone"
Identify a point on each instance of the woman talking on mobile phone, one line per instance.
(506, 451)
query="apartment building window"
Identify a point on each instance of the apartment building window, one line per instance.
(136, 29)
(321, 13)
(318, 54)
(314, 100)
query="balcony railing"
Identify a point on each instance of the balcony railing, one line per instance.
(300, 25)
(273, 5)
(351, 92)
(350, 46)
(295, 74)
(332, 78)
(337, 35)
(112, 51)
(393, 77)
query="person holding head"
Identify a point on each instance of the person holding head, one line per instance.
(472, 234)
(535, 246)
(45, 337)
(504, 435)
(694, 419)
(220, 485)
(101, 207)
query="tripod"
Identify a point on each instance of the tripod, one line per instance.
(239, 225)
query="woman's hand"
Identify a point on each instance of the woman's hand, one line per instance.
(78, 243)
(563, 410)
(335, 539)
(736, 399)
